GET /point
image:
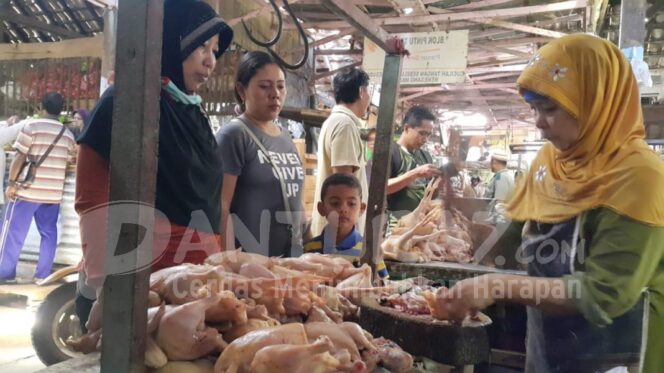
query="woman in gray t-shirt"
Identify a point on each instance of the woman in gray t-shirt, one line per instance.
(251, 192)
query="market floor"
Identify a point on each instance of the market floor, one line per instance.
(17, 314)
(16, 352)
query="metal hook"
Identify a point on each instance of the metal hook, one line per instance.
(300, 31)
(276, 37)
(303, 35)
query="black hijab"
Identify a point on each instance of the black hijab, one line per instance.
(189, 173)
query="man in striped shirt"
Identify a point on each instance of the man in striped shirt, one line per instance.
(40, 199)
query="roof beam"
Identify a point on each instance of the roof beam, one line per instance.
(540, 24)
(361, 21)
(472, 5)
(20, 19)
(356, 2)
(460, 16)
(513, 52)
(332, 72)
(495, 76)
(331, 38)
(69, 48)
(498, 62)
(518, 27)
(496, 69)
(510, 42)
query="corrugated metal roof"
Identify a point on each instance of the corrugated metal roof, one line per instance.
(72, 16)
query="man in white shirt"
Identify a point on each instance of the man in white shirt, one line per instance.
(340, 146)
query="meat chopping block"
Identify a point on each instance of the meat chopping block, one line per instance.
(421, 335)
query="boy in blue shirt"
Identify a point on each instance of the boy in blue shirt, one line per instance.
(341, 203)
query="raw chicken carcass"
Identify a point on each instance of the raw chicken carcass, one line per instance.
(309, 358)
(437, 310)
(237, 331)
(339, 337)
(392, 357)
(184, 287)
(237, 357)
(182, 332)
(426, 204)
(154, 355)
(228, 308)
(87, 343)
(362, 279)
(255, 270)
(234, 259)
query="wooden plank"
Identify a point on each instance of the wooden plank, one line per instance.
(471, 5)
(361, 21)
(513, 52)
(71, 48)
(463, 16)
(325, 40)
(380, 168)
(133, 170)
(510, 42)
(499, 32)
(518, 27)
(332, 72)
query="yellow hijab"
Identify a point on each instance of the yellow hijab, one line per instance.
(610, 165)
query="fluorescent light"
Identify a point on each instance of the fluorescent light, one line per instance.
(407, 11)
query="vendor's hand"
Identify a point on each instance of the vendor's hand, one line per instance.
(10, 193)
(425, 171)
(465, 298)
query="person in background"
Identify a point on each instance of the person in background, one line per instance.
(587, 219)
(340, 146)
(341, 205)
(78, 122)
(411, 166)
(476, 184)
(8, 134)
(41, 198)
(501, 185)
(252, 202)
(188, 180)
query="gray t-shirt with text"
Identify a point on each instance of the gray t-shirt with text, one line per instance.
(257, 206)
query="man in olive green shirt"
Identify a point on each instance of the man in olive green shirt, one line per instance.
(410, 164)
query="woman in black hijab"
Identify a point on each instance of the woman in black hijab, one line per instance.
(189, 174)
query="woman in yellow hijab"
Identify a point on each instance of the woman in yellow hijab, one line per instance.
(590, 218)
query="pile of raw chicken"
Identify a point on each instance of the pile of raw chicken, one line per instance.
(430, 233)
(242, 312)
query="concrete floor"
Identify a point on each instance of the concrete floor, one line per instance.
(17, 309)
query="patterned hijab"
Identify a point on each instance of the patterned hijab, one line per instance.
(610, 165)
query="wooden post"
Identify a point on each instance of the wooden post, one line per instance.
(380, 168)
(133, 168)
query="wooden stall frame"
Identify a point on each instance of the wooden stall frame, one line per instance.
(133, 169)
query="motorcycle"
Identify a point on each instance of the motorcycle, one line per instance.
(56, 319)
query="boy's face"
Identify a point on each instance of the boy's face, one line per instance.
(343, 204)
